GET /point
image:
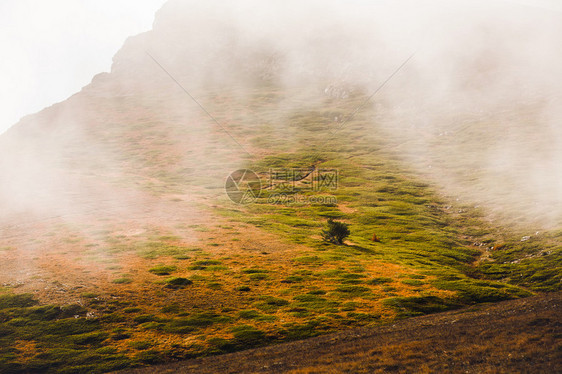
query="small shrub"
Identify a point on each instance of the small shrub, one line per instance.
(336, 233)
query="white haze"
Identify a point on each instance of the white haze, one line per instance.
(474, 63)
(485, 75)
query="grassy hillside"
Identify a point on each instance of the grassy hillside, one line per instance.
(183, 272)
(120, 247)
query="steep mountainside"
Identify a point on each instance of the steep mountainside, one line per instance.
(120, 246)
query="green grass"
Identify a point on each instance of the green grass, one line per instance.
(535, 264)
(270, 303)
(315, 303)
(379, 280)
(178, 282)
(412, 282)
(200, 320)
(16, 301)
(132, 310)
(327, 287)
(157, 248)
(255, 315)
(406, 214)
(207, 265)
(244, 337)
(478, 291)
(66, 339)
(351, 291)
(247, 336)
(258, 276)
(141, 344)
(143, 318)
(163, 269)
(418, 305)
(254, 271)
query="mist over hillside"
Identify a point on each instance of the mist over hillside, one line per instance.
(430, 131)
(478, 104)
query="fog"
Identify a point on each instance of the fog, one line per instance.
(485, 76)
(478, 104)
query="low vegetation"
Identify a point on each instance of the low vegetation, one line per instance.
(271, 272)
(336, 232)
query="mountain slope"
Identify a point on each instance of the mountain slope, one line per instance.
(120, 246)
(511, 336)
